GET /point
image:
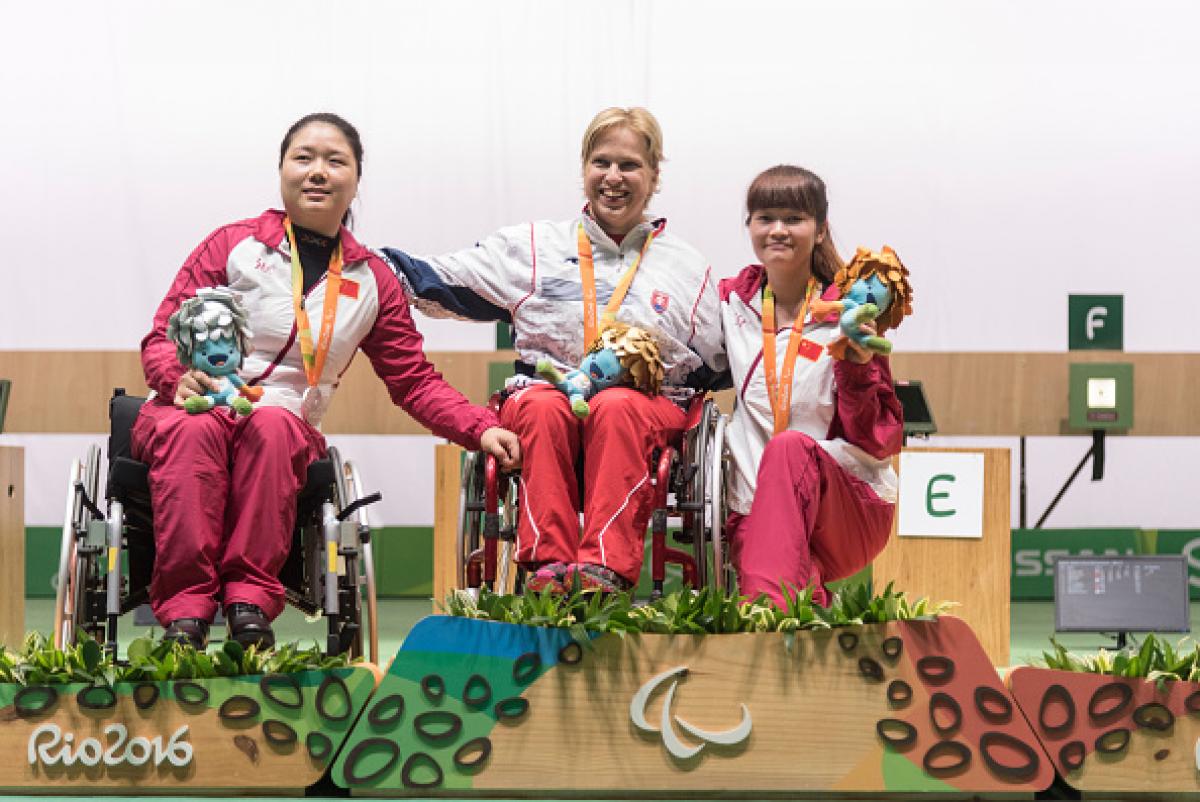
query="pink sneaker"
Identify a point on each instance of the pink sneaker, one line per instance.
(550, 576)
(599, 578)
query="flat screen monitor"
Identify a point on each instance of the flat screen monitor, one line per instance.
(1121, 594)
(917, 417)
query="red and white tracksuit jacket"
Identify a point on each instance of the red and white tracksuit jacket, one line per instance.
(815, 502)
(224, 490)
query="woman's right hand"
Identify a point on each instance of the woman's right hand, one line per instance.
(194, 382)
(503, 445)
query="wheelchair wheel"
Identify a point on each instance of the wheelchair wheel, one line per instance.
(367, 556)
(509, 576)
(76, 569)
(355, 569)
(716, 509)
(693, 499)
(470, 537)
(702, 452)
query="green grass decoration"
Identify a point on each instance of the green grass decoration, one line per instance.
(1156, 660)
(38, 662)
(691, 612)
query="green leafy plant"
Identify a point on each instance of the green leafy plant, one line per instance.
(690, 612)
(38, 662)
(1156, 660)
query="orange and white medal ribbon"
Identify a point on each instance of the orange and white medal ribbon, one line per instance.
(587, 275)
(779, 391)
(311, 404)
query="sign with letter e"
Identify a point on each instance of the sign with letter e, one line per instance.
(941, 494)
(1095, 322)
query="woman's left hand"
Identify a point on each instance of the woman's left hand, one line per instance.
(503, 445)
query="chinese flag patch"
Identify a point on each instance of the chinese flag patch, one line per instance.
(809, 350)
(349, 288)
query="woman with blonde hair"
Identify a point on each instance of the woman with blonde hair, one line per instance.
(558, 284)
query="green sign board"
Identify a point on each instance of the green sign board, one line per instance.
(504, 336)
(1096, 322)
(1035, 550)
(1101, 395)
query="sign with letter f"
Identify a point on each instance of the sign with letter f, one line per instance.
(1095, 322)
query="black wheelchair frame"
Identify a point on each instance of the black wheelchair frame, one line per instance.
(329, 570)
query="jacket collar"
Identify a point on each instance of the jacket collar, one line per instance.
(747, 285)
(269, 230)
(633, 239)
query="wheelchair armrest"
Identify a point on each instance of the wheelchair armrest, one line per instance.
(127, 476)
(319, 481)
(122, 412)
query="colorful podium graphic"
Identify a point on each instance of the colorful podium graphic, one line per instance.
(473, 706)
(1114, 734)
(269, 733)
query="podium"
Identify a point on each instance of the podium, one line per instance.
(971, 570)
(12, 546)
(447, 487)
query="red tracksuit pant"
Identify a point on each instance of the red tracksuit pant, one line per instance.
(617, 440)
(224, 494)
(811, 522)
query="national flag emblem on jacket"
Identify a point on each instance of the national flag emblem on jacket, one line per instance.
(659, 301)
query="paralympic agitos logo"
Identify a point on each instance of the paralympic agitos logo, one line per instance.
(671, 740)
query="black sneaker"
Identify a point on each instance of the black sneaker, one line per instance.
(189, 631)
(248, 625)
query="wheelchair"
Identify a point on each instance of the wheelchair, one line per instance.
(689, 485)
(329, 569)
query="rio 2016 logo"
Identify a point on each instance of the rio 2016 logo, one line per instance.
(138, 751)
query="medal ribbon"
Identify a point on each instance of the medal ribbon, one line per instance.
(779, 391)
(314, 361)
(587, 274)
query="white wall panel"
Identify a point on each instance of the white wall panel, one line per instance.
(1148, 482)
(1012, 152)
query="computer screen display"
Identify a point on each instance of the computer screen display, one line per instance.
(917, 417)
(1121, 594)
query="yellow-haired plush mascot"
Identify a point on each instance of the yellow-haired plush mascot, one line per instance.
(873, 286)
(620, 355)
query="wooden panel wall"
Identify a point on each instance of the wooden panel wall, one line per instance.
(12, 546)
(970, 393)
(447, 484)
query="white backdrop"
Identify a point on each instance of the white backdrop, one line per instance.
(1012, 152)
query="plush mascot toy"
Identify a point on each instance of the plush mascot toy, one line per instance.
(873, 286)
(621, 355)
(211, 334)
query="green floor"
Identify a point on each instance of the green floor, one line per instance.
(1032, 625)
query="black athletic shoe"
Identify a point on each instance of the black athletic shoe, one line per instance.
(190, 631)
(248, 625)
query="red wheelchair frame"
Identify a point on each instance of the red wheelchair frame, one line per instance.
(688, 484)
